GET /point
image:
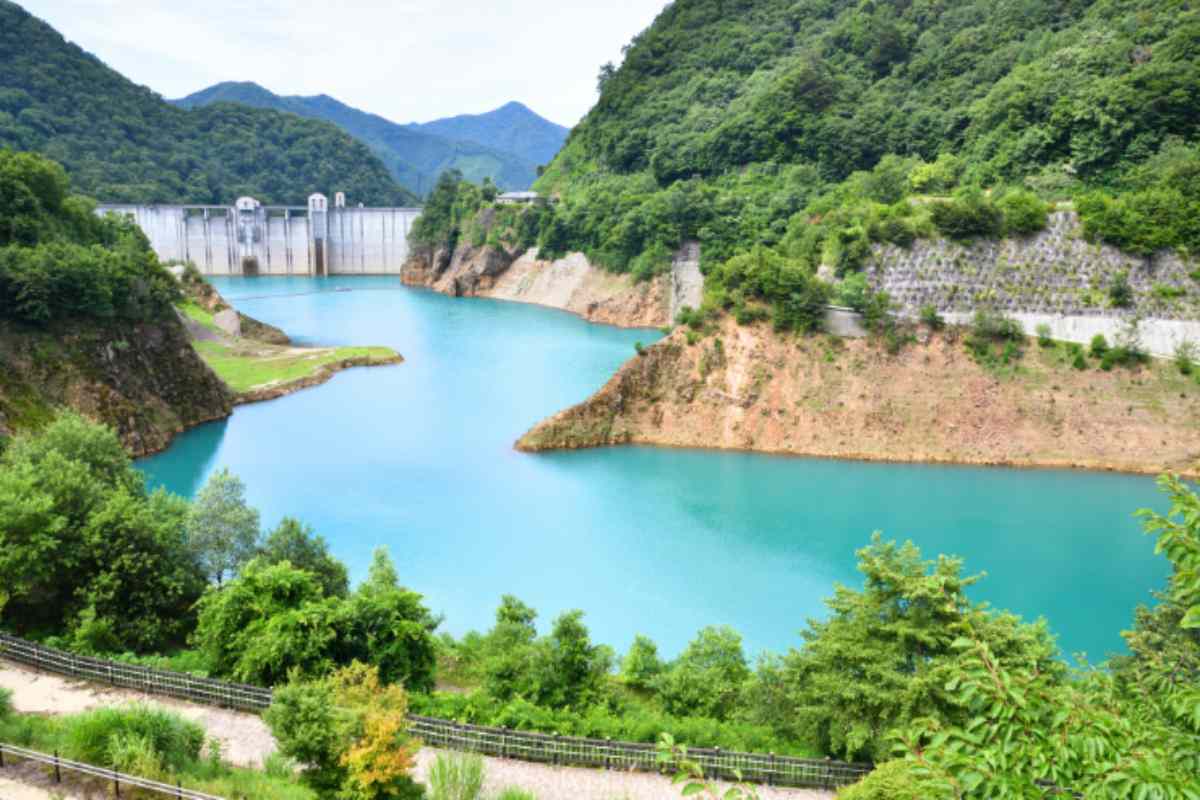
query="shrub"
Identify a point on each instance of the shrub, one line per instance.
(1044, 335)
(513, 793)
(140, 734)
(893, 780)
(1024, 212)
(456, 777)
(1120, 293)
(931, 318)
(852, 291)
(1099, 346)
(1185, 358)
(5, 703)
(970, 214)
(639, 348)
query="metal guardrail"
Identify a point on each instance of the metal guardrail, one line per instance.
(117, 779)
(131, 676)
(544, 748)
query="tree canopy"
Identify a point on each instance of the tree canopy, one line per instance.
(122, 142)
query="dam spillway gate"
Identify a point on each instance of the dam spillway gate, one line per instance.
(249, 238)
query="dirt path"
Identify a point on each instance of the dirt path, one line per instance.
(246, 741)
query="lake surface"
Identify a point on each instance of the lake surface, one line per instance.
(418, 458)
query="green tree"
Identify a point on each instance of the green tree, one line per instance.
(389, 627)
(641, 664)
(873, 664)
(223, 528)
(83, 543)
(295, 542)
(709, 676)
(568, 669)
(267, 622)
(350, 732)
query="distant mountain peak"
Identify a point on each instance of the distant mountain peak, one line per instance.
(506, 144)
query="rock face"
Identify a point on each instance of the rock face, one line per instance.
(572, 283)
(748, 388)
(143, 379)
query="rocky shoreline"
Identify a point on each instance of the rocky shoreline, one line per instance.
(322, 375)
(748, 388)
(571, 283)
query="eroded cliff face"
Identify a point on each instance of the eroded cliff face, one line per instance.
(571, 284)
(143, 379)
(746, 387)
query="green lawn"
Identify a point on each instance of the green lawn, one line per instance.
(244, 368)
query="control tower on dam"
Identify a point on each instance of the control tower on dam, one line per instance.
(249, 238)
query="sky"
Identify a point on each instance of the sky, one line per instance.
(407, 60)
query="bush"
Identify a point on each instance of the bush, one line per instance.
(1024, 212)
(1099, 346)
(970, 214)
(893, 780)
(456, 777)
(1044, 335)
(141, 735)
(852, 291)
(6, 707)
(1185, 357)
(1120, 293)
(931, 318)
(513, 793)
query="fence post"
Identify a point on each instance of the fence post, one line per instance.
(116, 783)
(57, 773)
(554, 748)
(608, 752)
(1, 757)
(771, 774)
(178, 788)
(504, 741)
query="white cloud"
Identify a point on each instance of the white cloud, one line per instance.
(406, 61)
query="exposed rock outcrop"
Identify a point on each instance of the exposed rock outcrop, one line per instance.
(749, 388)
(143, 379)
(571, 283)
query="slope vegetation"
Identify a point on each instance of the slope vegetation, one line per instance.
(122, 142)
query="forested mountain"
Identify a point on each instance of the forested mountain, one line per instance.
(803, 126)
(513, 127)
(122, 142)
(499, 145)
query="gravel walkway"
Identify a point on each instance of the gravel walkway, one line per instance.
(246, 741)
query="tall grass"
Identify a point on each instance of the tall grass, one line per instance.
(134, 736)
(155, 744)
(456, 777)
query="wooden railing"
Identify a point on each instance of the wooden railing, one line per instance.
(765, 768)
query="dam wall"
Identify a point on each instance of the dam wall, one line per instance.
(252, 239)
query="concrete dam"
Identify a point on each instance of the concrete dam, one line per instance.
(249, 238)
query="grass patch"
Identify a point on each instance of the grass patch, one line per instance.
(155, 744)
(244, 367)
(199, 314)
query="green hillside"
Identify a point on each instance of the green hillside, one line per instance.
(497, 145)
(122, 142)
(805, 126)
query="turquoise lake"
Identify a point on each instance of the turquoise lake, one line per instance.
(418, 457)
